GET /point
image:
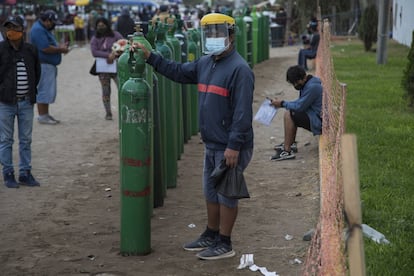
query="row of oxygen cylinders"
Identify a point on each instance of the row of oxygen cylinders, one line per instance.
(156, 118)
(252, 37)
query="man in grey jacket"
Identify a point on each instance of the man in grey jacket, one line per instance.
(304, 112)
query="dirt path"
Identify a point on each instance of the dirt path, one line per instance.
(70, 225)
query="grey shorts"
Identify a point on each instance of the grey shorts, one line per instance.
(212, 159)
(46, 89)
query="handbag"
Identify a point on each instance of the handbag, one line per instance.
(92, 71)
(230, 182)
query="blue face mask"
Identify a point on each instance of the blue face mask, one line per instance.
(215, 45)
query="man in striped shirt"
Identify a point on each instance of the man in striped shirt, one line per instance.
(19, 76)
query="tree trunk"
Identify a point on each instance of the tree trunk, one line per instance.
(288, 20)
(363, 4)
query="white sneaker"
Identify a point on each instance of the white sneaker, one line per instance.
(53, 119)
(46, 120)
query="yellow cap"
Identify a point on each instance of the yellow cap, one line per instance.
(216, 18)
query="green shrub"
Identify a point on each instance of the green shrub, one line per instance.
(408, 77)
(367, 30)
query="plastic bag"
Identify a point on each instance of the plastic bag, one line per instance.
(230, 182)
(219, 171)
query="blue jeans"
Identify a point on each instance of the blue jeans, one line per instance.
(23, 110)
(305, 54)
(212, 159)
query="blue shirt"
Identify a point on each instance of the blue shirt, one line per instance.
(42, 38)
(310, 102)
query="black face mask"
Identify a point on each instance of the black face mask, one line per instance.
(101, 30)
(298, 86)
(51, 28)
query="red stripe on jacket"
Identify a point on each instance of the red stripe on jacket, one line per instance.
(213, 89)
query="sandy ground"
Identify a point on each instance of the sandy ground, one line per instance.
(71, 225)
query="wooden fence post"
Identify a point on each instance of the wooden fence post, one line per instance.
(352, 204)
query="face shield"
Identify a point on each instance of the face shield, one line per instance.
(215, 38)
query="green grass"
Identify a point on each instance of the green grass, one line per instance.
(378, 113)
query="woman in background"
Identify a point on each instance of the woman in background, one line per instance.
(101, 47)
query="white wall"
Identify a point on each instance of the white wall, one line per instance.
(403, 21)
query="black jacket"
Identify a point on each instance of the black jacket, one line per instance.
(8, 58)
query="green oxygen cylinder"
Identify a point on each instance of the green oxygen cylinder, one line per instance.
(135, 135)
(255, 35)
(123, 73)
(160, 191)
(197, 39)
(241, 37)
(193, 54)
(160, 161)
(262, 33)
(138, 36)
(266, 36)
(150, 36)
(156, 170)
(175, 44)
(249, 41)
(186, 95)
(168, 99)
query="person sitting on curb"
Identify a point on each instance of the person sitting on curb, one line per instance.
(304, 112)
(311, 47)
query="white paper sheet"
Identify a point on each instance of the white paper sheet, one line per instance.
(266, 113)
(103, 67)
(246, 260)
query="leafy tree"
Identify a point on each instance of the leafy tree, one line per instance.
(304, 10)
(367, 30)
(407, 81)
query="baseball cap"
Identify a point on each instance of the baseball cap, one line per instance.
(50, 15)
(163, 8)
(15, 20)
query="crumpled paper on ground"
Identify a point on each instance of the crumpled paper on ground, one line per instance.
(246, 260)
